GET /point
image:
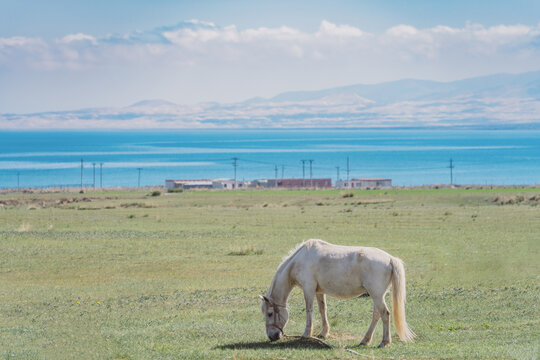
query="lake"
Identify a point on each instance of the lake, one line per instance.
(408, 157)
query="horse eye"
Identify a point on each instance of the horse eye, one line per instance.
(269, 314)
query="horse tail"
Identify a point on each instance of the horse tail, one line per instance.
(398, 301)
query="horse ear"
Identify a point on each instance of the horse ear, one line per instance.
(264, 298)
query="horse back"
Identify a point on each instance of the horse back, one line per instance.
(342, 271)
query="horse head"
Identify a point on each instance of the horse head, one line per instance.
(276, 317)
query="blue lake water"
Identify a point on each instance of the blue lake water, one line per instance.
(408, 157)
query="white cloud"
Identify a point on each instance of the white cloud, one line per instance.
(19, 42)
(192, 40)
(343, 31)
(200, 61)
(402, 31)
(78, 37)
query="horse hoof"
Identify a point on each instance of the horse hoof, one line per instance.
(323, 334)
(384, 344)
(364, 343)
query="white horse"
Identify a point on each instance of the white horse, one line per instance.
(321, 268)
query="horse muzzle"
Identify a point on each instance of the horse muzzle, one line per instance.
(274, 336)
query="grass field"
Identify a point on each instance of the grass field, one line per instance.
(127, 275)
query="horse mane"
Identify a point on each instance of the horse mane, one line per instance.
(287, 259)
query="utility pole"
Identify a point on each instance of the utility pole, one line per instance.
(235, 165)
(282, 170)
(139, 178)
(101, 175)
(94, 167)
(451, 173)
(275, 169)
(18, 182)
(82, 173)
(348, 170)
(310, 173)
(337, 179)
(303, 173)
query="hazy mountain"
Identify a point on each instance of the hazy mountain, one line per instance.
(503, 100)
(500, 85)
(153, 103)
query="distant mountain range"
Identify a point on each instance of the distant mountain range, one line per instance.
(495, 101)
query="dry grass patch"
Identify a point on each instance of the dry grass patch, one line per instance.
(24, 227)
(250, 250)
(516, 200)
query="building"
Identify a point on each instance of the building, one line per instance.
(260, 183)
(228, 184)
(299, 183)
(188, 184)
(364, 183)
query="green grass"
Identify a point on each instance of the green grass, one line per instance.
(127, 275)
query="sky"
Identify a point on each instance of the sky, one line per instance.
(65, 54)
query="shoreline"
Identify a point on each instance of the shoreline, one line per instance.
(162, 188)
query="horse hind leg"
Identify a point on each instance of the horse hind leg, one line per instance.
(369, 334)
(321, 302)
(380, 305)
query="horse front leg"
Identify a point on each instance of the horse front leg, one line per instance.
(309, 294)
(321, 302)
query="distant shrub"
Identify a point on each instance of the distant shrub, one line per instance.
(175, 190)
(156, 193)
(516, 199)
(347, 194)
(245, 251)
(137, 205)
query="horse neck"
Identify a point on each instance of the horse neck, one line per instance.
(281, 286)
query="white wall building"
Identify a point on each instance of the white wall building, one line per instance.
(379, 183)
(228, 184)
(188, 184)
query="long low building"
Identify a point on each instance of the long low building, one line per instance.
(189, 184)
(364, 183)
(228, 184)
(299, 183)
(222, 184)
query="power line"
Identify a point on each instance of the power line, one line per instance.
(303, 172)
(310, 173)
(139, 177)
(451, 167)
(235, 165)
(348, 171)
(82, 173)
